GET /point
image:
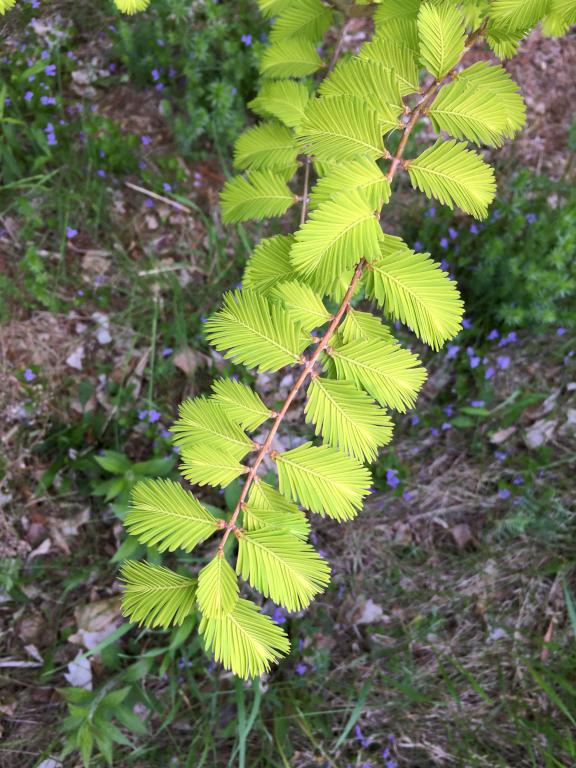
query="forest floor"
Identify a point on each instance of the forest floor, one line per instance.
(448, 635)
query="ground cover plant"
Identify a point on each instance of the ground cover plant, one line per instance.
(445, 635)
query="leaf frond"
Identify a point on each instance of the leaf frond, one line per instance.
(206, 421)
(347, 418)
(454, 175)
(241, 403)
(253, 331)
(362, 175)
(391, 374)
(397, 59)
(442, 37)
(370, 81)
(244, 640)
(323, 480)
(304, 19)
(518, 14)
(267, 508)
(303, 304)
(412, 288)
(341, 128)
(336, 235)
(269, 264)
(164, 515)
(268, 146)
(290, 58)
(217, 588)
(282, 567)
(155, 596)
(286, 100)
(363, 325)
(494, 81)
(205, 466)
(468, 113)
(261, 195)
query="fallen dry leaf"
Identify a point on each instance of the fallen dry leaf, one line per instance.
(366, 612)
(502, 435)
(540, 433)
(79, 673)
(96, 621)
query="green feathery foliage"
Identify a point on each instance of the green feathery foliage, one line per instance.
(324, 145)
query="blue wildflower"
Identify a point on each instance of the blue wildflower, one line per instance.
(301, 668)
(279, 616)
(444, 243)
(50, 70)
(467, 324)
(477, 403)
(489, 373)
(474, 361)
(473, 229)
(500, 455)
(446, 426)
(560, 331)
(29, 374)
(145, 140)
(452, 351)
(71, 232)
(418, 245)
(531, 218)
(155, 75)
(246, 39)
(167, 351)
(431, 212)
(493, 335)
(503, 362)
(392, 478)
(415, 420)
(28, 96)
(518, 480)
(453, 233)
(504, 493)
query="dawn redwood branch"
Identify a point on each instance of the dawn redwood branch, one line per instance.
(413, 116)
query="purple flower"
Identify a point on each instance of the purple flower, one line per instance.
(415, 420)
(444, 266)
(467, 324)
(392, 478)
(453, 233)
(434, 431)
(149, 203)
(279, 616)
(500, 455)
(493, 335)
(510, 338)
(448, 410)
(28, 96)
(70, 232)
(452, 351)
(365, 742)
(444, 243)
(518, 480)
(167, 351)
(7, 101)
(431, 212)
(145, 140)
(503, 362)
(531, 218)
(155, 75)
(418, 245)
(29, 374)
(477, 403)
(167, 187)
(489, 373)
(47, 100)
(159, 87)
(301, 668)
(154, 416)
(100, 172)
(50, 70)
(504, 493)
(473, 229)
(560, 331)
(474, 361)
(407, 495)
(51, 137)
(246, 39)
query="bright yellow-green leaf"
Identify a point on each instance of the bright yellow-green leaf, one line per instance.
(155, 596)
(217, 588)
